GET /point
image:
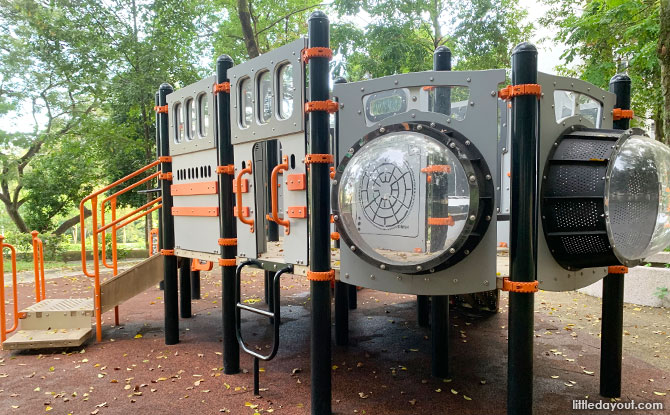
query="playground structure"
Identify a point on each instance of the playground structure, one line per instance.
(426, 166)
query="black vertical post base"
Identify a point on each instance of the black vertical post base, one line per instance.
(341, 313)
(320, 348)
(161, 285)
(231, 349)
(185, 287)
(257, 370)
(269, 289)
(171, 300)
(195, 285)
(611, 340)
(439, 310)
(422, 310)
(353, 297)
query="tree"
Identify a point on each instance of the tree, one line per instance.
(402, 35)
(610, 36)
(663, 52)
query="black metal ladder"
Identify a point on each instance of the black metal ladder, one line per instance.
(274, 316)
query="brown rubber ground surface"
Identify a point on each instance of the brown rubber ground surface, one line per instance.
(384, 370)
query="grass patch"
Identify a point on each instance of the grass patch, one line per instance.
(28, 265)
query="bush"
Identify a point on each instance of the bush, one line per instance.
(54, 245)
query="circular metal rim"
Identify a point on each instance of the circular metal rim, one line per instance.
(610, 165)
(437, 132)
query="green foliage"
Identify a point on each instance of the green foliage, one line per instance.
(610, 36)
(661, 292)
(402, 35)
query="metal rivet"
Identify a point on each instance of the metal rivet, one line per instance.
(352, 247)
(334, 181)
(381, 130)
(372, 276)
(398, 277)
(467, 142)
(336, 217)
(419, 268)
(346, 275)
(493, 93)
(419, 127)
(473, 217)
(472, 179)
(488, 177)
(466, 252)
(468, 79)
(486, 282)
(452, 251)
(432, 124)
(382, 266)
(472, 103)
(455, 280)
(488, 217)
(452, 145)
(432, 79)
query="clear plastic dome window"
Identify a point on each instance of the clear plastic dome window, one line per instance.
(638, 199)
(405, 198)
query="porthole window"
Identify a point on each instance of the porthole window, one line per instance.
(191, 121)
(203, 115)
(178, 124)
(246, 103)
(286, 91)
(264, 97)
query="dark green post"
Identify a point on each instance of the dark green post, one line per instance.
(170, 261)
(160, 210)
(227, 228)
(523, 232)
(341, 288)
(195, 285)
(611, 339)
(185, 287)
(319, 224)
(439, 307)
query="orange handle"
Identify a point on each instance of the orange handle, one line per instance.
(274, 196)
(238, 181)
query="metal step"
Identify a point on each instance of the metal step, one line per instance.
(42, 339)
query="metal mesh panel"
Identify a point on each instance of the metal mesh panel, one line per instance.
(575, 180)
(583, 149)
(575, 214)
(585, 244)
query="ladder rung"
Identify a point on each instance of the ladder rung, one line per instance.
(256, 310)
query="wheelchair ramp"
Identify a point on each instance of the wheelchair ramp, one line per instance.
(131, 282)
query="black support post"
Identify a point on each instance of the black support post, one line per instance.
(440, 303)
(185, 287)
(160, 210)
(231, 349)
(523, 232)
(353, 297)
(611, 339)
(342, 290)
(170, 261)
(195, 285)
(423, 310)
(319, 225)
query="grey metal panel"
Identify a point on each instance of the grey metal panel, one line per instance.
(551, 276)
(271, 61)
(477, 272)
(246, 240)
(204, 87)
(195, 233)
(296, 243)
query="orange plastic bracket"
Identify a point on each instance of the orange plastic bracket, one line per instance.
(196, 265)
(228, 241)
(448, 221)
(619, 114)
(321, 276)
(165, 176)
(328, 106)
(318, 158)
(165, 159)
(335, 236)
(519, 287)
(229, 169)
(316, 52)
(227, 262)
(161, 109)
(222, 87)
(512, 91)
(243, 219)
(167, 252)
(245, 211)
(283, 166)
(297, 212)
(617, 269)
(296, 182)
(244, 183)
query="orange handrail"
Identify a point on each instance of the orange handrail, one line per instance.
(274, 196)
(38, 264)
(3, 322)
(115, 225)
(238, 181)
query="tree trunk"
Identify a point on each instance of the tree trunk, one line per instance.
(15, 216)
(247, 30)
(71, 222)
(664, 58)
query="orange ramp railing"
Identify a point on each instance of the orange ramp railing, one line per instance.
(98, 231)
(3, 319)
